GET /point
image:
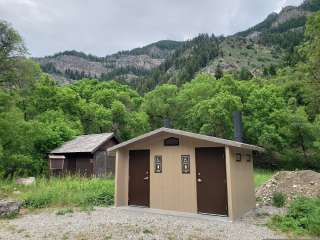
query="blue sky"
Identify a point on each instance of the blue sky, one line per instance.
(103, 27)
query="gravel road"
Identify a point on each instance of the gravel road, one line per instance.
(123, 223)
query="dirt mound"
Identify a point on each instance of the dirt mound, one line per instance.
(292, 183)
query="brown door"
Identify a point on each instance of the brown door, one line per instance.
(139, 184)
(211, 181)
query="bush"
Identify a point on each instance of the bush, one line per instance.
(303, 218)
(19, 165)
(278, 199)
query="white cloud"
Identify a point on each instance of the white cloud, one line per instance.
(106, 26)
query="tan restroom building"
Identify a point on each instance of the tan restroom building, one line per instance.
(182, 171)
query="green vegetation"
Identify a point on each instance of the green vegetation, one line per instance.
(279, 199)
(187, 60)
(261, 176)
(303, 218)
(62, 192)
(281, 111)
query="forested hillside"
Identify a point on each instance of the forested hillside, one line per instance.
(255, 52)
(123, 66)
(281, 107)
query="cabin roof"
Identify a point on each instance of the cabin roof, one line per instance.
(84, 143)
(191, 135)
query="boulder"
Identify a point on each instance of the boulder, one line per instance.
(9, 207)
(26, 181)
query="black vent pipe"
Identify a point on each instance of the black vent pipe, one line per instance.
(167, 123)
(237, 124)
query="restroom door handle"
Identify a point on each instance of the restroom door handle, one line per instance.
(146, 178)
(199, 180)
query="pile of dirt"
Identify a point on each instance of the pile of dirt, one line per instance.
(292, 183)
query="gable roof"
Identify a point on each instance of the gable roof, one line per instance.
(84, 144)
(191, 135)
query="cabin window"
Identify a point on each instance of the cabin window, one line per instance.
(158, 164)
(248, 157)
(171, 141)
(238, 157)
(56, 163)
(185, 164)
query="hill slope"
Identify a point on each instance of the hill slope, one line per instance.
(72, 65)
(252, 52)
(256, 51)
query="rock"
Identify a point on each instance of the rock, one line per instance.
(26, 181)
(9, 207)
(288, 13)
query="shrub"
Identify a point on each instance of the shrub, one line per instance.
(303, 217)
(278, 199)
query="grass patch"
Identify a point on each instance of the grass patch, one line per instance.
(261, 176)
(303, 218)
(63, 192)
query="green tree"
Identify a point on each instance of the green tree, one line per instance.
(218, 72)
(95, 118)
(11, 46)
(265, 113)
(301, 135)
(160, 104)
(214, 116)
(69, 101)
(311, 48)
(16, 144)
(138, 123)
(51, 129)
(245, 74)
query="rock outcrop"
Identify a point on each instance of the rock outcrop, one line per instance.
(288, 13)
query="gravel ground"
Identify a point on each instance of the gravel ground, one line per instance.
(123, 223)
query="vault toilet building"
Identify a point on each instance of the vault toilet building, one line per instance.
(182, 171)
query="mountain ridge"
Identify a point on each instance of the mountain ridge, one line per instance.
(254, 50)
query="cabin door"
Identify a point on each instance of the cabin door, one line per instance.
(139, 174)
(211, 181)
